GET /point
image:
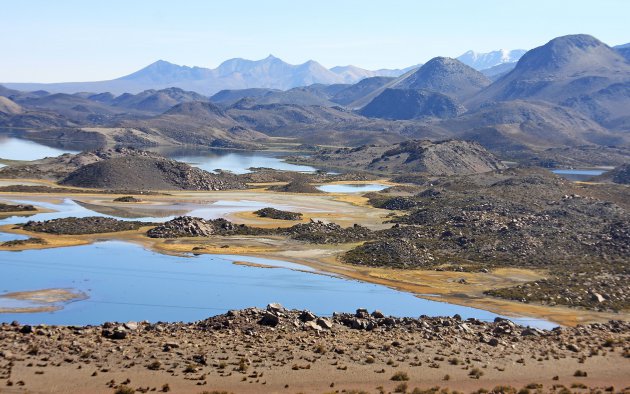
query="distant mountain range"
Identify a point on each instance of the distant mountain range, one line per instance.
(483, 61)
(268, 73)
(572, 91)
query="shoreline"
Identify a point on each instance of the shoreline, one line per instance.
(344, 209)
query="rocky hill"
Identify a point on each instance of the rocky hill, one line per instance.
(197, 122)
(619, 175)
(412, 104)
(148, 173)
(154, 101)
(9, 107)
(122, 169)
(565, 67)
(532, 123)
(434, 158)
(228, 97)
(360, 89)
(447, 76)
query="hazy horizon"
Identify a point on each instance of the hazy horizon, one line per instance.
(75, 41)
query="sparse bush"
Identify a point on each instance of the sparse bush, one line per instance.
(475, 373)
(400, 376)
(124, 390)
(580, 374)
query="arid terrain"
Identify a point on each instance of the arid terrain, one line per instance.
(493, 185)
(279, 351)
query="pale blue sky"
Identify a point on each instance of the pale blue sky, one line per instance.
(80, 40)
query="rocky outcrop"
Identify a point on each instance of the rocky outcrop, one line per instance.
(273, 213)
(297, 185)
(16, 208)
(451, 157)
(326, 233)
(148, 173)
(619, 175)
(87, 225)
(183, 226)
(188, 226)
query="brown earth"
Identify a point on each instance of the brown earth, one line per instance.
(280, 351)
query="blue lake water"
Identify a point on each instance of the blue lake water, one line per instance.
(347, 188)
(12, 148)
(124, 281)
(578, 174)
(239, 162)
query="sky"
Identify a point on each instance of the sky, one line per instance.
(89, 40)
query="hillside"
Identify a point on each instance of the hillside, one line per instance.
(147, 173)
(9, 107)
(565, 67)
(411, 104)
(447, 76)
(360, 89)
(197, 123)
(153, 101)
(424, 157)
(619, 175)
(323, 125)
(534, 124)
(228, 97)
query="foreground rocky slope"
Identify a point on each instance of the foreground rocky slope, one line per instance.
(275, 350)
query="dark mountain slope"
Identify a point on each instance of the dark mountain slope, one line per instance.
(534, 124)
(359, 89)
(197, 123)
(323, 125)
(155, 101)
(228, 97)
(447, 76)
(609, 106)
(563, 68)
(623, 50)
(434, 158)
(411, 104)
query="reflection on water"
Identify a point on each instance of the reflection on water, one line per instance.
(126, 282)
(240, 162)
(20, 149)
(148, 213)
(579, 174)
(14, 148)
(372, 187)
